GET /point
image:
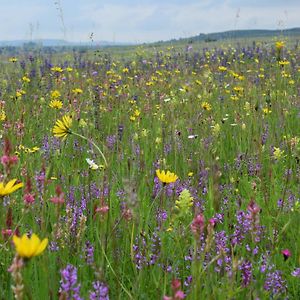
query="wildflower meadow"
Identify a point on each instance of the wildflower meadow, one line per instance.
(154, 173)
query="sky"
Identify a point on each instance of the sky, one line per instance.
(139, 21)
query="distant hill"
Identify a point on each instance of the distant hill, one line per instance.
(209, 37)
(57, 43)
(251, 33)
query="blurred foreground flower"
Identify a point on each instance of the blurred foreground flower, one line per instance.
(166, 177)
(279, 45)
(62, 127)
(9, 188)
(29, 247)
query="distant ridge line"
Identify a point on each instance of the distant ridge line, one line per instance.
(230, 34)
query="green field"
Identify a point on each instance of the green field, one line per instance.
(88, 132)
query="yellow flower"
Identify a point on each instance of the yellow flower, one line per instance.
(55, 94)
(278, 153)
(77, 91)
(206, 106)
(283, 62)
(20, 93)
(266, 111)
(279, 45)
(2, 115)
(82, 123)
(166, 177)
(29, 247)
(13, 59)
(9, 188)
(62, 127)
(184, 202)
(25, 79)
(57, 104)
(222, 68)
(57, 69)
(137, 113)
(216, 129)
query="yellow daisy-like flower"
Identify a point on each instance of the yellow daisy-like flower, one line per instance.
(206, 106)
(57, 69)
(166, 177)
(55, 94)
(77, 91)
(10, 187)
(57, 104)
(29, 247)
(62, 127)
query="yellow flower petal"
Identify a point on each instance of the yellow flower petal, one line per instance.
(42, 247)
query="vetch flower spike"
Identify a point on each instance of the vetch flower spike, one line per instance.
(29, 247)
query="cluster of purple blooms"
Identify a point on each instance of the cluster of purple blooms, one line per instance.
(70, 289)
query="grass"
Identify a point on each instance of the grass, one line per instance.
(224, 119)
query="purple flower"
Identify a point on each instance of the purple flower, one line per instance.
(68, 284)
(246, 269)
(89, 253)
(274, 283)
(100, 291)
(110, 141)
(296, 273)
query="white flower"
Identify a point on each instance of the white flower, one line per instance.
(193, 136)
(92, 164)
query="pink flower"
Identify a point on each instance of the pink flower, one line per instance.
(7, 232)
(28, 198)
(102, 210)
(197, 225)
(179, 295)
(58, 200)
(212, 222)
(253, 208)
(14, 159)
(175, 284)
(5, 160)
(286, 253)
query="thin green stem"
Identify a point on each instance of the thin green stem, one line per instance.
(90, 141)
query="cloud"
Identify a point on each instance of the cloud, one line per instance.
(170, 19)
(144, 20)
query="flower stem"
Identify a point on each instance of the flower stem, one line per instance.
(90, 141)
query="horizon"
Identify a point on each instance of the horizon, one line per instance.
(133, 43)
(144, 21)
